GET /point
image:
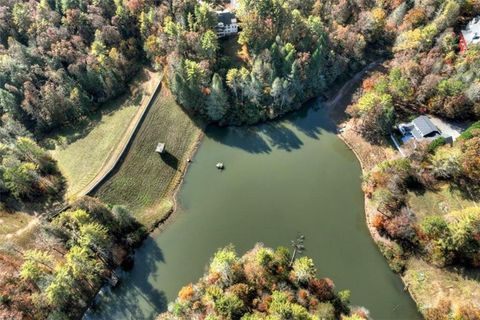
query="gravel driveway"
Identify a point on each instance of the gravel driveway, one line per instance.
(453, 128)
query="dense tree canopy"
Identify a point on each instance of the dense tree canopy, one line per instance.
(427, 73)
(290, 52)
(27, 173)
(61, 58)
(91, 234)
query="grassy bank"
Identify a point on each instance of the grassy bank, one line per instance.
(143, 180)
(431, 286)
(82, 152)
(17, 228)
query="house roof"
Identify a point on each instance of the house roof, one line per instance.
(472, 31)
(423, 127)
(225, 17)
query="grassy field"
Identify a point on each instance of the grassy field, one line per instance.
(429, 285)
(82, 152)
(439, 202)
(144, 181)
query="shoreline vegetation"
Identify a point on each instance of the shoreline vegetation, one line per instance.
(437, 291)
(415, 266)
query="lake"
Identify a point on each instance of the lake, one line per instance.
(281, 179)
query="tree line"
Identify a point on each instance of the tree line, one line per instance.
(291, 51)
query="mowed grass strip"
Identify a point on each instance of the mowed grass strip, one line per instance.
(87, 149)
(144, 181)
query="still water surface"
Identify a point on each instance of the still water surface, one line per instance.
(281, 179)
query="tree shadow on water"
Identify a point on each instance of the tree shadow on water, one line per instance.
(135, 297)
(280, 137)
(277, 134)
(312, 119)
(245, 138)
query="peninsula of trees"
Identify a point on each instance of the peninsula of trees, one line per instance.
(262, 284)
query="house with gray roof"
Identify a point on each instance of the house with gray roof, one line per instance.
(227, 24)
(421, 128)
(470, 35)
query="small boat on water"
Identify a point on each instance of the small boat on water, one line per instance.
(220, 166)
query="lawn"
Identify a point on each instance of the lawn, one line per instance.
(82, 152)
(143, 180)
(440, 202)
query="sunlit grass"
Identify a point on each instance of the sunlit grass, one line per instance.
(81, 152)
(439, 202)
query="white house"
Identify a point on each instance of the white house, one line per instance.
(470, 35)
(227, 24)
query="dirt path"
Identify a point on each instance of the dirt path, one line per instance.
(337, 104)
(367, 154)
(31, 224)
(118, 151)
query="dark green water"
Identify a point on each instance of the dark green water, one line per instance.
(284, 178)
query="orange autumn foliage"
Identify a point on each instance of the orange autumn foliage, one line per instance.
(378, 222)
(186, 293)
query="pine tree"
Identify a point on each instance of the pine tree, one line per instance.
(217, 101)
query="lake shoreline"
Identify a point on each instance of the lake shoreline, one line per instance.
(345, 90)
(351, 139)
(370, 211)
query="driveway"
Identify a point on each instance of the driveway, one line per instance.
(450, 128)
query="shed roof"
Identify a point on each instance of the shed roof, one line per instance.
(472, 31)
(160, 147)
(423, 127)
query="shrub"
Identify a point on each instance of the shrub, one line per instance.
(468, 134)
(5, 299)
(435, 144)
(394, 255)
(230, 306)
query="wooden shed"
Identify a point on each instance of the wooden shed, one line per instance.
(160, 148)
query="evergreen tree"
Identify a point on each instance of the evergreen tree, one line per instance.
(217, 103)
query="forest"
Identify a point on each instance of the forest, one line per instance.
(262, 284)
